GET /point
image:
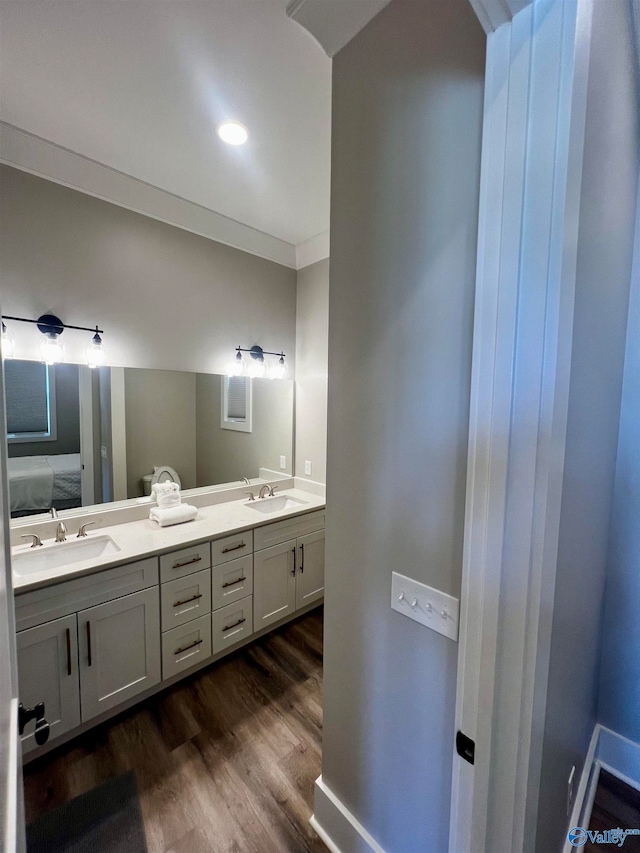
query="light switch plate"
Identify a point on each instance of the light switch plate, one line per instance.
(283, 462)
(428, 606)
(307, 468)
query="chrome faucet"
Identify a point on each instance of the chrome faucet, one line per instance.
(264, 490)
(272, 491)
(61, 532)
(246, 480)
(35, 539)
(54, 512)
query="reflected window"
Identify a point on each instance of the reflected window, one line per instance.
(236, 403)
(30, 401)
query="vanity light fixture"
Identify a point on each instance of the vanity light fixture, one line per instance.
(51, 348)
(8, 343)
(257, 366)
(95, 351)
(233, 133)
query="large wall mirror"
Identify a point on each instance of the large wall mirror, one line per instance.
(79, 437)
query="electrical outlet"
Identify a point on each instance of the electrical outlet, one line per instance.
(572, 776)
(307, 468)
(283, 463)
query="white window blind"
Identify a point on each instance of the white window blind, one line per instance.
(29, 399)
(236, 403)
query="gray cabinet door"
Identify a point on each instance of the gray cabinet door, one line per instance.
(310, 578)
(48, 672)
(119, 650)
(274, 584)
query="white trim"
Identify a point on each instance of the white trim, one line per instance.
(118, 434)
(337, 827)
(533, 135)
(313, 250)
(38, 156)
(492, 14)
(12, 806)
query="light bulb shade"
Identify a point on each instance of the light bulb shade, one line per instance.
(279, 369)
(95, 352)
(257, 368)
(236, 366)
(52, 349)
(8, 343)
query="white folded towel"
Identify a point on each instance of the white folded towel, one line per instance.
(173, 515)
(166, 494)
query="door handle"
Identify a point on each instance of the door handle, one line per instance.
(25, 715)
(68, 633)
(88, 643)
(301, 557)
(293, 571)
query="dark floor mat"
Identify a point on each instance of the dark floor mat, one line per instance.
(106, 819)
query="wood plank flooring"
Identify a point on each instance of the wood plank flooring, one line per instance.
(225, 762)
(616, 805)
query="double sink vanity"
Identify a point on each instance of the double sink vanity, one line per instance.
(107, 619)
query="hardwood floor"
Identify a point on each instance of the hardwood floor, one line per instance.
(225, 762)
(616, 805)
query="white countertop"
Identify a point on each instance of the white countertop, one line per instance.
(139, 539)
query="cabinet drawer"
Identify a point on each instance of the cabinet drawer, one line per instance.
(231, 547)
(231, 624)
(61, 599)
(177, 564)
(288, 528)
(231, 581)
(185, 599)
(186, 646)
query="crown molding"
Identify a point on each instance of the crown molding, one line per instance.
(494, 13)
(313, 250)
(38, 156)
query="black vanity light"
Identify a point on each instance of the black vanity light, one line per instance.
(51, 348)
(257, 367)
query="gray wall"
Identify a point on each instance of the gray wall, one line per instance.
(407, 119)
(160, 408)
(605, 250)
(619, 697)
(67, 418)
(225, 455)
(165, 297)
(312, 340)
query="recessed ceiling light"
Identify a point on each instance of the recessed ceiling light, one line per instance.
(233, 133)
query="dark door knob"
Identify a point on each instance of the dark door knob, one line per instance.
(25, 715)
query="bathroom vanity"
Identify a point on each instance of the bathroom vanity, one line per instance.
(108, 620)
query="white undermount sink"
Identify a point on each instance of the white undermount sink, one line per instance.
(58, 554)
(276, 504)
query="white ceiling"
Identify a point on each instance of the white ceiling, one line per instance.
(141, 85)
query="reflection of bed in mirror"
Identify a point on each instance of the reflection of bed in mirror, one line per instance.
(37, 483)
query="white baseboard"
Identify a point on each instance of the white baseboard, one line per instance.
(337, 827)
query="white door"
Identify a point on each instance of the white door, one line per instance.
(119, 650)
(48, 672)
(12, 837)
(310, 579)
(274, 584)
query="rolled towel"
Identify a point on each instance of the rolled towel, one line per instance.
(165, 517)
(167, 494)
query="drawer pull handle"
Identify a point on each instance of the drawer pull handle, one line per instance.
(187, 562)
(302, 558)
(235, 548)
(187, 600)
(68, 633)
(233, 583)
(293, 570)
(235, 625)
(186, 648)
(89, 643)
